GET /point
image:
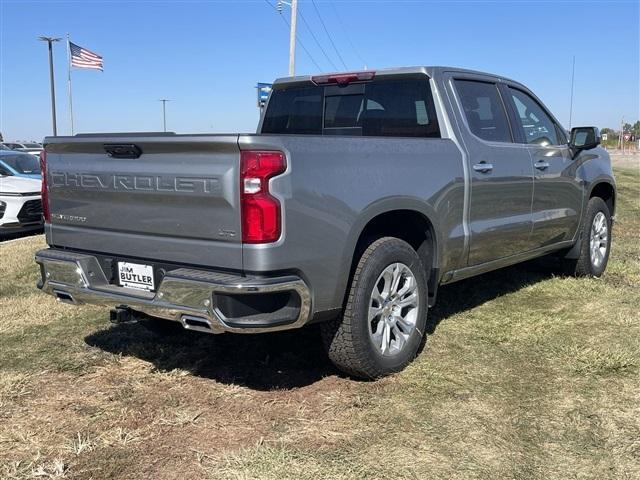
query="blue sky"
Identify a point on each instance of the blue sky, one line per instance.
(206, 56)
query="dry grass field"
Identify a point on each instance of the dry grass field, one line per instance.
(526, 375)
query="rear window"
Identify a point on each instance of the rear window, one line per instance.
(294, 110)
(381, 108)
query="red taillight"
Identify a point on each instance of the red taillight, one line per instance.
(344, 78)
(44, 190)
(261, 216)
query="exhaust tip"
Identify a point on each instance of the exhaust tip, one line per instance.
(65, 297)
(200, 324)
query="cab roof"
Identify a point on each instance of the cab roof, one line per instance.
(430, 71)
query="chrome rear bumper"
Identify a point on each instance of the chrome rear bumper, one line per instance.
(183, 295)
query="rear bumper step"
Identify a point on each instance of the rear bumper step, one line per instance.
(206, 301)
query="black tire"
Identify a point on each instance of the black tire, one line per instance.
(347, 339)
(585, 265)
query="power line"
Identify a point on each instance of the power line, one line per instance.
(316, 40)
(297, 38)
(328, 34)
(346, 34)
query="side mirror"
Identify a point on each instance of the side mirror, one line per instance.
(584, 138)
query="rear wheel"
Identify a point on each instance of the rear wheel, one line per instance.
(596, 241)
(384, 319)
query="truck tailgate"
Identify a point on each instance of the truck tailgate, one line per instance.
(178, 201)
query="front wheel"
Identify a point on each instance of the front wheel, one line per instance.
(596, 241)
(384, 319)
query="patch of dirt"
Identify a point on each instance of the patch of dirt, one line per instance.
(159, 408)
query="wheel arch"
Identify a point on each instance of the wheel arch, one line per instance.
(606, 190)
(410, 220)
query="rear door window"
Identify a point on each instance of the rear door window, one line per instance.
(381, 108)
(484, 110)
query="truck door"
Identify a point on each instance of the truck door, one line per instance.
(501, 174)
(557, 192)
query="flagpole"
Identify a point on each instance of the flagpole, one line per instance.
(69, 82)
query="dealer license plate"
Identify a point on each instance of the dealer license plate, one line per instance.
(134, 275)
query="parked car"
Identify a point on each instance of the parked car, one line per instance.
(20, 204)
(14, 145)
(361, 194)
(28, 147)
(20, 164)
(32, 148)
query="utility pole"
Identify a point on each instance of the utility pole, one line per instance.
(164, 112)
(69, 82)
(50, 41)
(292, 34)
(573, 74)
(292, 38)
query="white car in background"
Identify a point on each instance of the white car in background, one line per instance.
(31, 147)
(20, 204)
(13, 145)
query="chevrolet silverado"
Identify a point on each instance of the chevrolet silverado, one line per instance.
(360, 195)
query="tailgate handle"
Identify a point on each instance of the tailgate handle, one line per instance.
(122, 150)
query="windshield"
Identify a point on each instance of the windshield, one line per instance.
(25, 164)
(32, 145)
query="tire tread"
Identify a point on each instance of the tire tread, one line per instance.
(581, 267)
(338, 334)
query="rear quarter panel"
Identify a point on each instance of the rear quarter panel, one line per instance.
(334, 186)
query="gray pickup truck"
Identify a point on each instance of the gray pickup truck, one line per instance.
(359, 196)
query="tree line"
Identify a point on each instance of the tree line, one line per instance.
(613, 134)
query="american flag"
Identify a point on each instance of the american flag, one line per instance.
(83, 58)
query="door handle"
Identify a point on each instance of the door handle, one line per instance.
(541, 165)
(483, 167)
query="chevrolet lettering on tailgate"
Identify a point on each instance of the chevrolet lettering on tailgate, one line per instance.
(157, 183)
